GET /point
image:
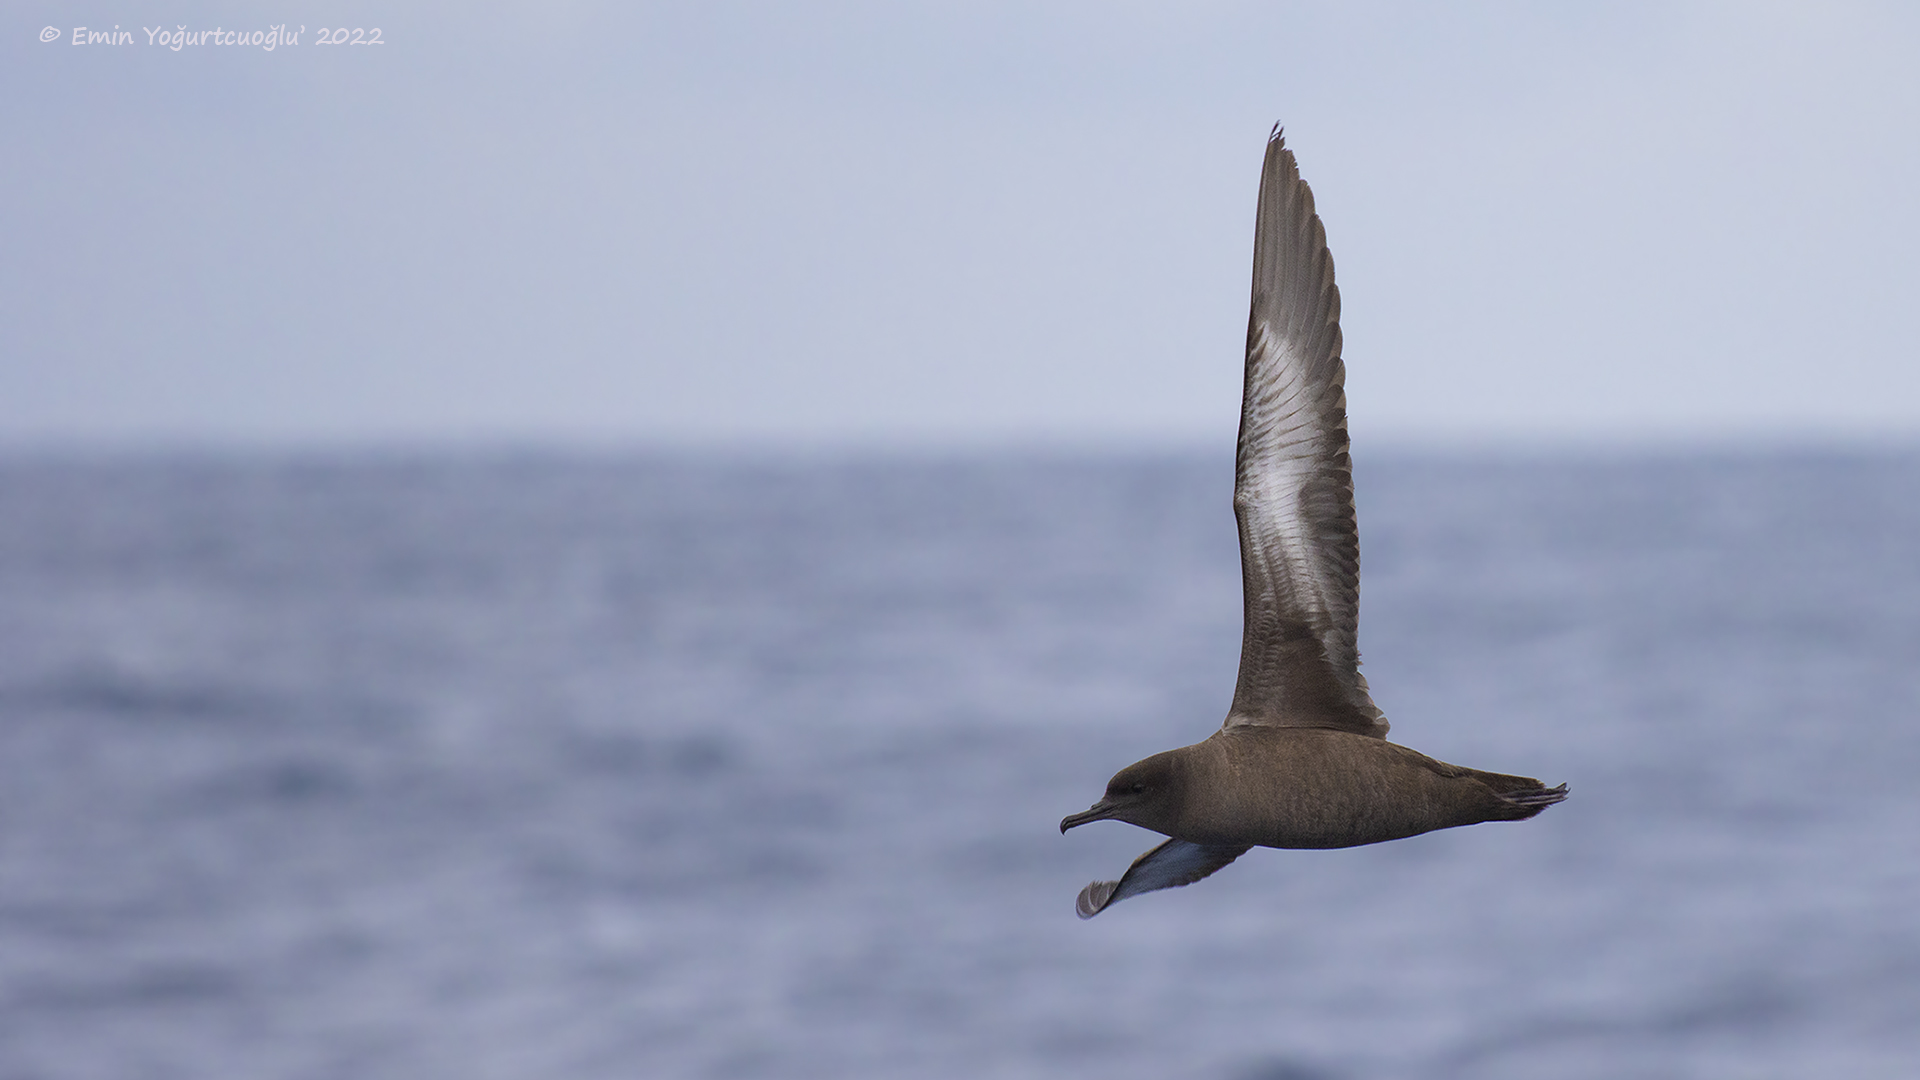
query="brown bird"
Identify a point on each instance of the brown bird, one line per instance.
(1302, 760)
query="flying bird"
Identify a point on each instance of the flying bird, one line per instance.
(1302, 760)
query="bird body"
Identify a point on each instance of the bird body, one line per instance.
(1305, 788)
(1302, 760)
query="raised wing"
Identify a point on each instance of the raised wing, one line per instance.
(1173, 863)
(1293, 485)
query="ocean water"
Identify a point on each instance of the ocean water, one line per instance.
(498, 767)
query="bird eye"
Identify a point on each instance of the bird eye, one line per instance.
(1137, 788)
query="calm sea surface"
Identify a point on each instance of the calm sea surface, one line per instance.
(677, 767)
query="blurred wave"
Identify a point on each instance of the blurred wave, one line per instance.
(712, 767)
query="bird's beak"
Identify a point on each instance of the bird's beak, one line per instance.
(1097, 812)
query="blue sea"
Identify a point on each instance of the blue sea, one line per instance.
(722, 765)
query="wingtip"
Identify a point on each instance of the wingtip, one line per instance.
(1094, 898)
(1278, 134)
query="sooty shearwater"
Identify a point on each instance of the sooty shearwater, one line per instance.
(1302, 760)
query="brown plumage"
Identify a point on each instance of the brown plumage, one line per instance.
(1302, 760)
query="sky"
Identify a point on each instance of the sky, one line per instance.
(934, 224)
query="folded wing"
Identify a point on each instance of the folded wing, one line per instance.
(1293, 483)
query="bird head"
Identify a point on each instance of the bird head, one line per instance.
(1141, 794)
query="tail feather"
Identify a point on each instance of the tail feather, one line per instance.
(1520, 797)
(1534, 800)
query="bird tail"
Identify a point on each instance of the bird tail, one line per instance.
(1527, 802)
